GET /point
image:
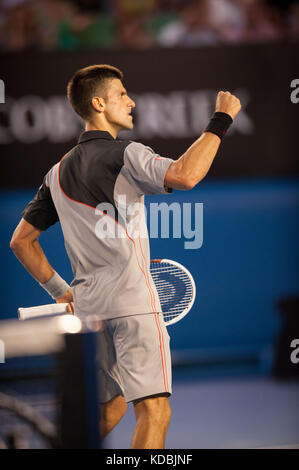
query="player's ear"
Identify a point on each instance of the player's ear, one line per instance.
(98, 104)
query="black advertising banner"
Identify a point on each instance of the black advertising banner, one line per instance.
(174, 91)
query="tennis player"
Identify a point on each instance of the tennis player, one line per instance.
(91, 191)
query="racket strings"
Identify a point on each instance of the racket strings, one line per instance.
(174, 288)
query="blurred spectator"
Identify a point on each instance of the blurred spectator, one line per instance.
(294, 21)
(229, 18)
(163, 13)
(132, 33)
(194, 26)
(19, 28)
(50, 14)
(88, 27)
(247, 21)
(134, 7)
(263, 23)
(140, 21)
(82, 24)
(131, 16)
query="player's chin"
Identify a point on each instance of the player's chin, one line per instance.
(128, 125)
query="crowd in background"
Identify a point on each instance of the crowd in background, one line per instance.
(142, 24)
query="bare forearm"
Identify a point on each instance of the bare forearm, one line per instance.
(195, 163)
(197, 160)
(31, 255)
(27, 249)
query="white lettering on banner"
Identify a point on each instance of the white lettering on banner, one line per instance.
(5, 134)
(62, 124)
(182, 114)
(28, 119)
(31, 119)
(178, 114)
(161, 115)
(242, 123)
(201, 110)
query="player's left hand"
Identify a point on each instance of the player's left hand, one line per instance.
(67, 297)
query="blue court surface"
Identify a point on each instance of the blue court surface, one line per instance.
(247, 265)
(234, 413)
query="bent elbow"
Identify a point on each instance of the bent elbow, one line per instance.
(183, 184)
(15, 244)
(189, 183)
(177, 178)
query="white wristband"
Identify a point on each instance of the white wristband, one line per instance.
(56, 286)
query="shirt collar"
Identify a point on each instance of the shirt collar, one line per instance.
(90, 135)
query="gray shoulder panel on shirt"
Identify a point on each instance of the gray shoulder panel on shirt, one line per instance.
(145, 169)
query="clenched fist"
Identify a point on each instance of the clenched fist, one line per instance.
(227, 103)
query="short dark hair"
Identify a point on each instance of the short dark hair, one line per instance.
(86, 83)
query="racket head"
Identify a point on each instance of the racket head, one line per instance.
(176, 288)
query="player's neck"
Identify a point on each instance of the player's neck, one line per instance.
(91, 126)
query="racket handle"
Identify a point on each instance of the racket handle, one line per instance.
(42, 310)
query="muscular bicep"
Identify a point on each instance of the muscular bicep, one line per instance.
(174, 177)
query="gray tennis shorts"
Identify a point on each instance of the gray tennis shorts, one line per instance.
(134, 357)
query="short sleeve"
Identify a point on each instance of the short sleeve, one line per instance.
(41, 211)
(145, 169)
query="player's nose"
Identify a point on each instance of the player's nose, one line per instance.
(131, 103)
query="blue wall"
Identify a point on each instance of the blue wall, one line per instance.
(249, 259)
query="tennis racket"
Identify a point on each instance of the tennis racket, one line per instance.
(174, 283)
(176, 289)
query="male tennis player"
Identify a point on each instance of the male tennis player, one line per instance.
(109, 256)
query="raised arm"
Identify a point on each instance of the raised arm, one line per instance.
(195, 163)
